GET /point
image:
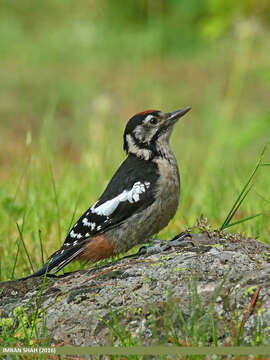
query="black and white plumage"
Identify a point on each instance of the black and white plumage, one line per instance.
(128, 192)
(139, 201)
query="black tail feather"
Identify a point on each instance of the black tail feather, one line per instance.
(58, 260)
(40, 272)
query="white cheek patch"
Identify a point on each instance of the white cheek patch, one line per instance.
(148, 118)
(139, 133)
(134, 149)
(131, 196)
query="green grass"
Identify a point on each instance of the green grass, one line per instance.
(27, 325)
(61, 147)
(69, 82)
(241, 197)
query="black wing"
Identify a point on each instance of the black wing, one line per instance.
(131, 190)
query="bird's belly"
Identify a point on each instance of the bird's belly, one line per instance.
(167, 202)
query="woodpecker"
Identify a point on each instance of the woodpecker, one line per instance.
(140, 200)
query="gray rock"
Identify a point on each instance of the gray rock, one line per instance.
(146, 297)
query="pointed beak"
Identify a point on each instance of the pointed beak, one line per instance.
(174, 116)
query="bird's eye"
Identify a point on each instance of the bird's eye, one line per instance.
(153, 121)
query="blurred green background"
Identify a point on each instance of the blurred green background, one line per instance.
(72, 74)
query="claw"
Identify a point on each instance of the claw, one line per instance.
(181, 239)
(182, 235)
(158, 246)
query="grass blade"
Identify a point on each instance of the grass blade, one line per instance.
(24, 172)
(41, 247)
(244, 192)
(243, 220)
(15, 261)
(56, 202)
(262, 197)
(236, 206)
(73, 214)
(25, 249)
(38, 305)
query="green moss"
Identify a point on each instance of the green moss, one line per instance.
(160, 263)
(6, 322)
(250, 291)
(166, 257)
(179, 269)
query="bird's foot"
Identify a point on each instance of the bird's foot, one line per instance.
(156, 246)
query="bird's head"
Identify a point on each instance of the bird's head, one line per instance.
(148, 131)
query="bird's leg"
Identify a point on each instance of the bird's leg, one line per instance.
(182, 239)
(156, 245)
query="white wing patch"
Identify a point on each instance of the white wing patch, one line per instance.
(75, 235)
(133, 195)
(88, 223)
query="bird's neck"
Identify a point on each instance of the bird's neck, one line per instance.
(159, 150)
(163, 150)
(136, 149)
